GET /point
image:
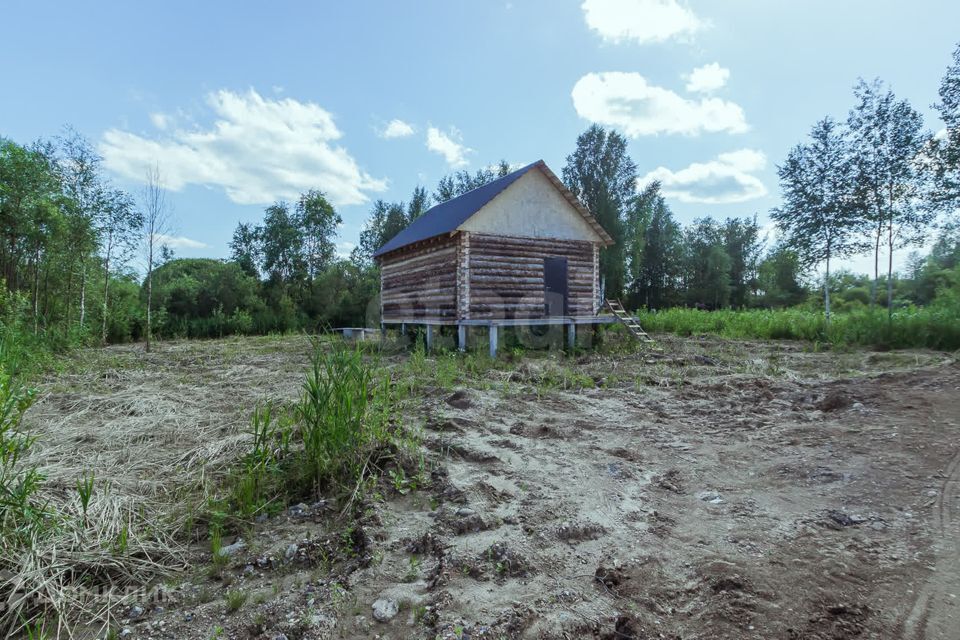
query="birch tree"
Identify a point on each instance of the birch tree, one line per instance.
(946, 144)
(888, 143)
(119, 226)
(156, 225)
(80, 175)
(819, 217)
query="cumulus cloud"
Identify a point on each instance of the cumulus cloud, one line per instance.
(628, 102)
(726, 179)
(257, 150)
(397, 128)
(450, 146)
(707, 78)
(179, 242)
(643, 21)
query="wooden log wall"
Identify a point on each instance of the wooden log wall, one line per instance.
(506, 275)
(420, 282)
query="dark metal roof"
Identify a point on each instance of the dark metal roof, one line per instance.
(447, 216)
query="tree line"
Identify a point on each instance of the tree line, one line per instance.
(877, 182)
(68, 239)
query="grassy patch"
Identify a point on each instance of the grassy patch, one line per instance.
(341, 436)
(934, 328)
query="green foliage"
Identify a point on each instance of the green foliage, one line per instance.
(946, 152)
(21, 516)
(889, 179)
(779, 279)
(708, 265)
(935, 327)
(655, 251)
(463, 181)
(329, 444)
(337, 416)
(85, 491)
(819, 218)
(205, 298)
(255, 483)
(604, 177)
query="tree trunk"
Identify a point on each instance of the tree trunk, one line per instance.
(876, 266)
(69, 310)
(149, 291)
(890, 272)
(826, 291)
(106, 293)
(36, 289)
(83, 291)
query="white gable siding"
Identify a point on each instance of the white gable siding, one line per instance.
(531, 207)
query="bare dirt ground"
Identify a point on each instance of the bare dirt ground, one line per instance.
(709, 489)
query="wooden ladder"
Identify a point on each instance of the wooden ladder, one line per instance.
(628, 321)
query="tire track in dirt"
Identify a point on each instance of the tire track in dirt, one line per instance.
(932, 616)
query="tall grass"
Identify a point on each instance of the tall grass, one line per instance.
(336, 437)
(21, 514)
(931, 327)
(336, 414)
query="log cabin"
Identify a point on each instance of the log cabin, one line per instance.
(519, 251)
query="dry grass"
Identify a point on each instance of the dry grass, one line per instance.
(157, 431)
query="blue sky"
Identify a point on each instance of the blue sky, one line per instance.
(241, 104)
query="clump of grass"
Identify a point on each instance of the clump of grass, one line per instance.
(254, 483)
(338, 419)
(330, 444)
(235, 598)
(85, 491)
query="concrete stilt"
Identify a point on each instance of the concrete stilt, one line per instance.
(429, 337)
(571, 336)
(462, 337)
(493, 341)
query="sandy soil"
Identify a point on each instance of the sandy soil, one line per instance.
(709, 489)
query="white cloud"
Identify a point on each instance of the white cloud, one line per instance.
(179, 242)
(449, 146)
(727, 178)
(257, 149)
(643, 21)
(397, 129)
(160, 120)
(707, 78)
(628, 102)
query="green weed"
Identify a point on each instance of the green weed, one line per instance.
(235, 600)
